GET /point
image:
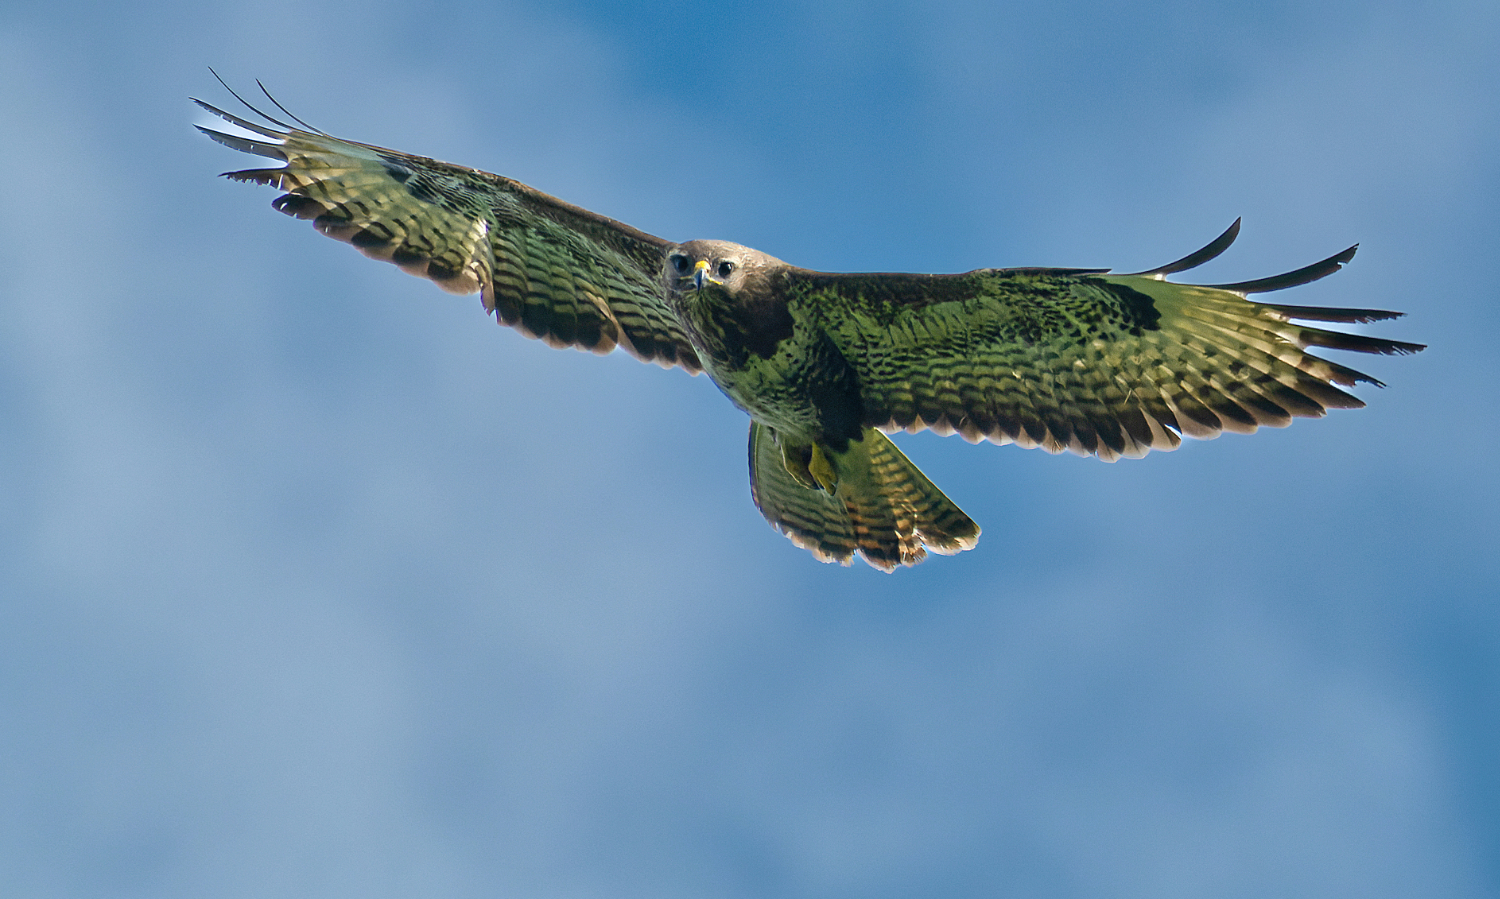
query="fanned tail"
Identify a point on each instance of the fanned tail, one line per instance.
(879, 505)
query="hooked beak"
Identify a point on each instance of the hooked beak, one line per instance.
(701, 275)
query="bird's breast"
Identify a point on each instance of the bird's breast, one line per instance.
(733, 331)
(784, 373)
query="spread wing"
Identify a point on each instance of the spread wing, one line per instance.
(548, 268)
(1099, 364)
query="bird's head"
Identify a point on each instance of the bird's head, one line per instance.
(703, 270)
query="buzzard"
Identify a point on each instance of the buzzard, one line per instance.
(1063, 359)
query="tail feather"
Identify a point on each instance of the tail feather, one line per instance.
(881, 506)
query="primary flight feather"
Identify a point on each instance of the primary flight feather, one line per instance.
(1063, 359)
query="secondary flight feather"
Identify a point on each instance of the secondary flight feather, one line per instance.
(824, 364)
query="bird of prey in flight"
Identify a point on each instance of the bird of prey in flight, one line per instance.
(825, 364)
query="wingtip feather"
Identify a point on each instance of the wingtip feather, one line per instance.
(240, 122)
(1212, 250)
(245, 144)
(1296, 278)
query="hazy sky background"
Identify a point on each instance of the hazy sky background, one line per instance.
(314, 582)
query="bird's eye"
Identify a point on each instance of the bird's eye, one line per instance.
(681, 263)
(724, 269)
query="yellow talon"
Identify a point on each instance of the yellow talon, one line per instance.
(794, 457)
(822, 469)
(809, 465)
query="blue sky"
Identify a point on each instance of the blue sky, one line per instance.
(315, 582)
